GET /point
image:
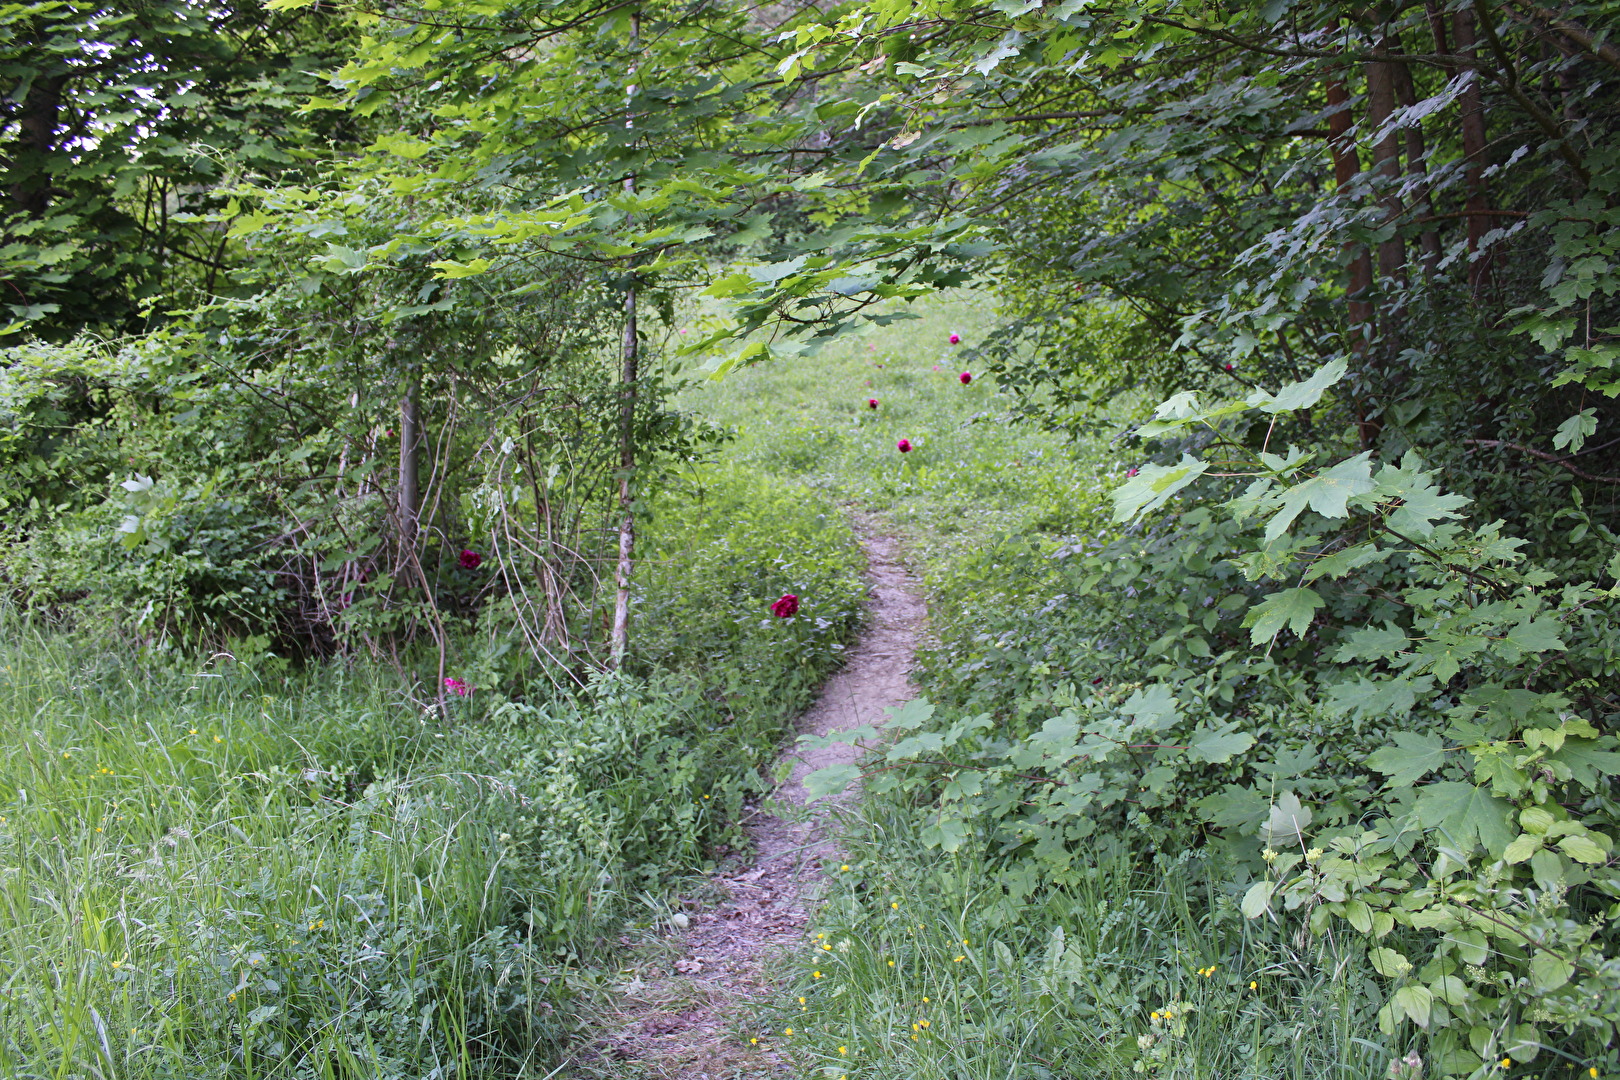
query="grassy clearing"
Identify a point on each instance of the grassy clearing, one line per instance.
(970, 477)
(212, 870)
(967, 965)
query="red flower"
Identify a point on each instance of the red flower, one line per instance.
(1132, 471)
(469, 559)
(1231, 367)
(904, 446)
(457, 687)
(966, 377)
(956, 339)
(787, 607)
(871, 403)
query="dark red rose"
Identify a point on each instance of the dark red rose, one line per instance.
(966, 377)
(787, 607)
(956, 339)
(469, 559)
(904, 446)
(1132, 471)
(871, 403)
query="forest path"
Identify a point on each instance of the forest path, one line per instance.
(685, 1001)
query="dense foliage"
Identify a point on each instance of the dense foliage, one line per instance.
(390, 375)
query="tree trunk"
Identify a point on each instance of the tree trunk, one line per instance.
(619, 643)
(1381, 79)
(1346, 166)
(37, 122)
(1417, 167)
(1472, 108)
(410, 441)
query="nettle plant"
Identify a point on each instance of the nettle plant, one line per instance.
(1419, 754)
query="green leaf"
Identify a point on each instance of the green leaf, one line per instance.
(1472, 947)
(1389, 963)
(1373, 643)
(1286, 824)
(833, 780)
(1523, 846)
(1415, 1001)
(1153, 486)
(1583, 849)
(1464, 814)
(1293, 608)
(1326, 493)
(1412, 758)
(1548, 972)
(1300, 395)
(1536, 635)
(1257, 899)
(1218, 745)
(1574, 431)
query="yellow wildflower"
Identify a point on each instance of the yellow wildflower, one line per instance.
(787, 1031)
(959, 959)
(817, 974)
(843, 1049)
(1268, 855)
(844, 867)
(1253, 985)
(891, 963)
(1507, 1063)
(895, 904)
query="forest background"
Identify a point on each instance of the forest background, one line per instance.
(382, 624)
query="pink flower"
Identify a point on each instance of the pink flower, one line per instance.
(965, 378)
(457, 687)
(1132, 471)
(1231, 367)
(956, 339)
(787, 607)
(904, 446)
(469, 560)
(871, 403)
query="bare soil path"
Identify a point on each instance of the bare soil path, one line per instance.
(685, 999)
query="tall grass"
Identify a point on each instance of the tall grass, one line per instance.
(212, 870)
(926, 967)
(206, 873)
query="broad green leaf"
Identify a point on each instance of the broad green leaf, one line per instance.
(1293, 608)
(1472, 947)
(1300, 395)
(1572, 433)
(1218, 745)
(1412, 758)
(1153, 486)
(1523, 846)
(1465, 814)
(1326, 493)
(1286, 824)
(1359, 915)
(1549, 972)
(1373, 643)
(1257, 899)
(1583, 849)
(1153, 705)
(1415, 1001)
(1389, 963)
(833, 780)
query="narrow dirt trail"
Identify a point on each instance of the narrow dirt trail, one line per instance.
(681, 1010)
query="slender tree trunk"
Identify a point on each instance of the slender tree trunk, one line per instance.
(1472, 108)
(410, 441)
(1381, 80)
(620, 640)
(1417, 167)
(1346, 166)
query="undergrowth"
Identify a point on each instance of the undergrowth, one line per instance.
(212, 868)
